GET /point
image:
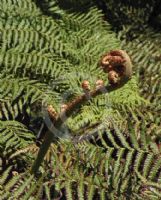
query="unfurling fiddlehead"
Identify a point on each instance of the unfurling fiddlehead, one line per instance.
(119, 68)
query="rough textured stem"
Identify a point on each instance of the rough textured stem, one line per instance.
(71, 107)
(42, 152)
(79, 101)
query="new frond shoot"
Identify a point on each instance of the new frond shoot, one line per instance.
(117, 64)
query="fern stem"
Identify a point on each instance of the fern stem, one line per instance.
(42, 152)
(71, 107)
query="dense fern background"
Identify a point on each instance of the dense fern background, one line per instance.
(47, 48)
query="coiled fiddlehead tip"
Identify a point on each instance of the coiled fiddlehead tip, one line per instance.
(117, 64)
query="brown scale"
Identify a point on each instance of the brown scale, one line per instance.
(52, 113)
(117, 64)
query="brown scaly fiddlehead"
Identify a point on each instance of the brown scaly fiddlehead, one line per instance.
(118, 66)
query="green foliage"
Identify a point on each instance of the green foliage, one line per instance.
(20, 186)
(13, 137)
(18, 95)
(148, 59)
(47, 48)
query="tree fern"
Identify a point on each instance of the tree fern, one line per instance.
(47, 48)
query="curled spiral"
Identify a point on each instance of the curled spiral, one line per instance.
(117, 64)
